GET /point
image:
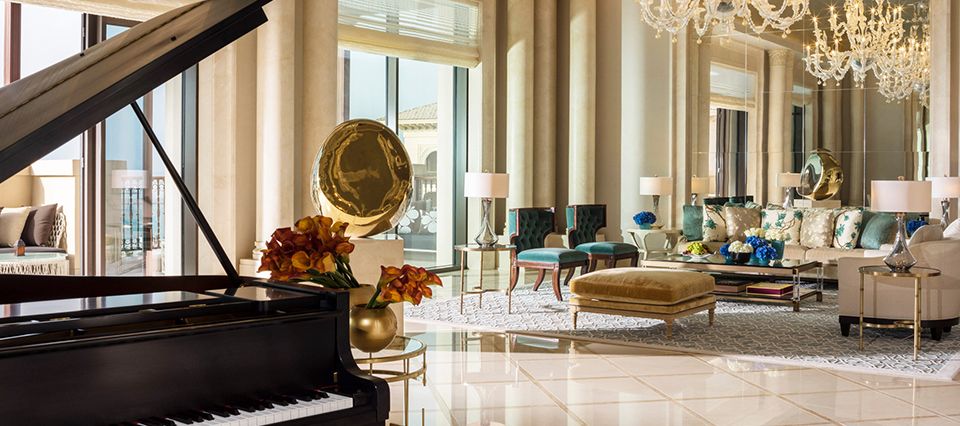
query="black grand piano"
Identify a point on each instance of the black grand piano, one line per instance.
(162, 350)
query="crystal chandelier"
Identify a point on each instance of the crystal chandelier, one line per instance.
(866, 40)
(906, 69)
(673, 16)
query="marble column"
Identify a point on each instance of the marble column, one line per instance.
(780, 76)
(482, 138)
(520, 98)
(944, 145)
(830, 122)
(277, 114)
(320, 64)
(583, 100)
(858, 189)
(545, 101)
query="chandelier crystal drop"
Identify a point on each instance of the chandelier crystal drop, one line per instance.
(673, 16)
(906, 69)
(858, 42)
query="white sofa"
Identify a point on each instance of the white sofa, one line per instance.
(892, 298)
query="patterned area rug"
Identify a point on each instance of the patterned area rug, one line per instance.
(760, 332)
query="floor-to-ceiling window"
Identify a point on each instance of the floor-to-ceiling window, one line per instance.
(425, 104)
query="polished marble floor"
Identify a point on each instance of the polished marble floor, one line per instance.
(483, 378)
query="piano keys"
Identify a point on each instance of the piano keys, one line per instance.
(162, 350)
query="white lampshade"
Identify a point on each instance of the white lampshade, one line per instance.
(486, 185)
(655, 186)
(901, 196)
(699, 185)
(945, 187)
(789, 180)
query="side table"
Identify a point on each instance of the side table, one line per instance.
(915, 273)
(467, 248)
(403, 349)
(671, 237)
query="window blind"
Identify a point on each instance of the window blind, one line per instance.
(443, 31)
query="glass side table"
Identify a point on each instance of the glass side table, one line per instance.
(405, 349)
(464, 249)
(917, 274)
(671, 238)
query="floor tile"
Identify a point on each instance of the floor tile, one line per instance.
(488, 416)
(421, 417)
(577, 368)
(662, 365)
(940, 399)
(451, 355)
(624, 350)
(857, 406)
(752, 410)
(742, 366)
(487, 395)
(711, 385)
(475, 372)
(591, 391)
(799, 381)
(916, 421)
(421, 398)
(877, 381)
(636, 413)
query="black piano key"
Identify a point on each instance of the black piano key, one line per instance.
(200, 414)
(181, 418)
(217, 411)
(303, 396)
(162, 422)
(234, 411)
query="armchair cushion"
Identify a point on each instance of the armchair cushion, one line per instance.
(926, 233)
(607, 248)
(552, 255)
(953, 230)
(583, 223)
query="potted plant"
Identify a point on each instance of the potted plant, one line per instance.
(645, 220)
(759, 237)
(372, 325)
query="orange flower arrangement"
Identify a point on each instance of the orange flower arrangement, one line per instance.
(317, 250)
(405, 284)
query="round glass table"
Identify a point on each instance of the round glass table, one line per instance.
(410, 353)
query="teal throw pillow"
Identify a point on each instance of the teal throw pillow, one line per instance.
(693, 223)
(881, 229)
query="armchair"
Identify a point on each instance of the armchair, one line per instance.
(583, 223)
(528, 228)
(890, 300)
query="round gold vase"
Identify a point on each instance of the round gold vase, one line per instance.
(371, 330)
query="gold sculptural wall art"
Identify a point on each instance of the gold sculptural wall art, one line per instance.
(822, 176)
(362, 175)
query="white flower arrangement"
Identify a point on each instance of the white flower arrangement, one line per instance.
(756, 232)
(776, 235)
(740, 247)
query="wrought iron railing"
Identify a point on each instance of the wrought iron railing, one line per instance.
(138, 231)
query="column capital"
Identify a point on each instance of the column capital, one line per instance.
(780, 57)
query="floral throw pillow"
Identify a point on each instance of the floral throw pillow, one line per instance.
(740, 219)
(786, 221)
(714, 224)
(817, 229)
(847, 232)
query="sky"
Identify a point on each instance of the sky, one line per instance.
(417, 83)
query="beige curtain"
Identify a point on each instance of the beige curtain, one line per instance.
(137, 10)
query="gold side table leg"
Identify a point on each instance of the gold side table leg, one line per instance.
(916, 319)
(406, 393)
(510, 296)
(481, 280)
(463, 266)
(861, 312)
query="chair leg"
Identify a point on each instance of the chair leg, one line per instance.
(711, 314)
(514, 276)
(575, 313)
(611, 263)
(566, 281)
(583, 269)
(536, 285)
(556, 282)
(635, 260)
(669, 322)
(592, 266)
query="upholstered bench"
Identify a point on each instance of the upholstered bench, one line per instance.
(645, 293)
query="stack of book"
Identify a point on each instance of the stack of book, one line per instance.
(731, 286)
(770, 289)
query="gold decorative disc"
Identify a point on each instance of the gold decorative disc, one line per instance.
(362, 176)
(822, 176)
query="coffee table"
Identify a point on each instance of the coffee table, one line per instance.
(719, 265)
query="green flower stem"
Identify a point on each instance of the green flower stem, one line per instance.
(372, 304)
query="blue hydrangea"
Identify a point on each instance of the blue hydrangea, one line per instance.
(725, 250)
(914, 225)
(765, 253)
(645, 218)
(756, 242)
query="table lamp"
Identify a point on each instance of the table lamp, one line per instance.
(698, 185)
(945, 188)
(791, 181)
(656, 186)
(486, 186)
(900, 197)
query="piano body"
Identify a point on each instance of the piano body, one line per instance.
(162, 350)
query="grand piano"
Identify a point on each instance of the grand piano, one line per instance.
(162, 350)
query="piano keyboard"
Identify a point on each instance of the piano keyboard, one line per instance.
(265, 410)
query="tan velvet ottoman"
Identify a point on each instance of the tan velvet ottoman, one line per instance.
(645, 293)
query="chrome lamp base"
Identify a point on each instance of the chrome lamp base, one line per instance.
(486, 237)
(900, 259)
(945, 213)
(788, 199)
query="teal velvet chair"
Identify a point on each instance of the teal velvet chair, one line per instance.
(529, 228)
(583, 223)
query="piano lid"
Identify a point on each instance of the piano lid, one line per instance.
(41, 112)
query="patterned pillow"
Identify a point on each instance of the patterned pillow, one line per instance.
(714, 224)
(739, 220)
(847, 232)
(818, 228)
(786, 221)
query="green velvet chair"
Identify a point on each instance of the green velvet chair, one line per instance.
(529, 228)
(583, 223)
